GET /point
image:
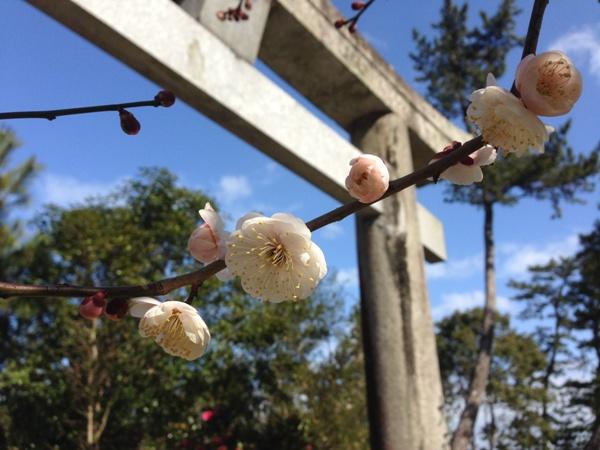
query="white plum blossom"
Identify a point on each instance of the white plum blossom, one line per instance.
(275, 257)
(549, 83)
(468, 169)
(175, 326)
(504, 122)
(368, 178)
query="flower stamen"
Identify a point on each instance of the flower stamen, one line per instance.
(276, 254)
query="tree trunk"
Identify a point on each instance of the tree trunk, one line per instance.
(463, 435)
(91, 439)
(594, 443)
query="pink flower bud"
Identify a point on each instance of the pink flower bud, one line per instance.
(549, 83)
(165, 98)
(129, 124)
(358, 5)
(248, 4)
(207, 242)
(339, 23)
(116, 309)
(92, 307)
(368, 179)
(221, 15)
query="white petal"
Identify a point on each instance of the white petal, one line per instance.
(484, 156)
(138, 306)
(463, 175)
(298, 224)
(250, 215)
(490, 80)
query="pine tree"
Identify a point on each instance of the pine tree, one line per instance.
(454, 63)
(14, 193)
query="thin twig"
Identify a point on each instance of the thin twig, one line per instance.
(54, 113)
(352, 21)
(163, 287)
(533, 33)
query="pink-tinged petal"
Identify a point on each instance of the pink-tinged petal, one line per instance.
(549, 83)
(207, 242)
(368, 178)
(204, 244)
(484, 156)
(212, 218)
(139, 306)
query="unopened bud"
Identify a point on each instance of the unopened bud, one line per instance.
(358, 5)
(352, 27)
(129, 124)
(165, 98)
(221, 15)
(243, 15)
(339, 23)
(116, 309)
(92, 307)
(368, 178)
(248, 4)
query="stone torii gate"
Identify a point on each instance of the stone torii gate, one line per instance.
(211, 66)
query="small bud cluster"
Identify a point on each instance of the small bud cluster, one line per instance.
(94, 306)
(236, 14)
(361, 7)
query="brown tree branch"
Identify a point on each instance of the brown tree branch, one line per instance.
(163, 287)
(54, 113)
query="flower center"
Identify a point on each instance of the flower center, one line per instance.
(553, 74)
(275, 253)
(172, 335)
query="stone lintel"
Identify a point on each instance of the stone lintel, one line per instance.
(242, 37)
(210, 77)
(344, 76)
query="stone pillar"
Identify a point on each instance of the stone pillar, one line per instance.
(404, 390)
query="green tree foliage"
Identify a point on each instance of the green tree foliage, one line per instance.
(547, 301)
(336, 401)
(563, 298)
(98, 384)
(13, 193)
(513, 394)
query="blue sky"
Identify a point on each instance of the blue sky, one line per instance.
(45, 65)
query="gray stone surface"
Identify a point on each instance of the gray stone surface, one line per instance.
(344, 76)
(403, 380)
(242, 37)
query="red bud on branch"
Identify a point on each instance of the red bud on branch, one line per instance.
(129, 124)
